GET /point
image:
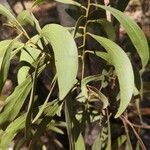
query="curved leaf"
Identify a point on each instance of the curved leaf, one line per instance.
(30, 55)
(123, 69)
(66, 56)
(135, 33)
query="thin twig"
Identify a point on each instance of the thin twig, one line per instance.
(136, 134)
(127, 133)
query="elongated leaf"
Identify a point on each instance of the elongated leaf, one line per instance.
(85, 91)
(15, 101)
(135, 33)
(123, 69)
(109, 133)
(66, 56)
(29, 55)
(52, 110)
(52, 127)
(3, 47)
(40, 130)
(78, 23)
(11, 132)
(5, 12)
(35, 40)
(49, 106)
(103, 55)
(26, 17)
(69, 121)
(79, 144)
(118, 142)
(31, 101)
(19, 124)
(5, 58)
(71, 2)
(104, 99)
(109, 29)
(91, 78)
(45, 103)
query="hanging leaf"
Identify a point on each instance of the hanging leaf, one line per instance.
(135, 33)
(66, 56)
(123, 69)
(11, 131)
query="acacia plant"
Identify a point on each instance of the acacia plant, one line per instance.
(84, 97)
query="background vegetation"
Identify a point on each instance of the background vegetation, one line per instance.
(74, 74)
